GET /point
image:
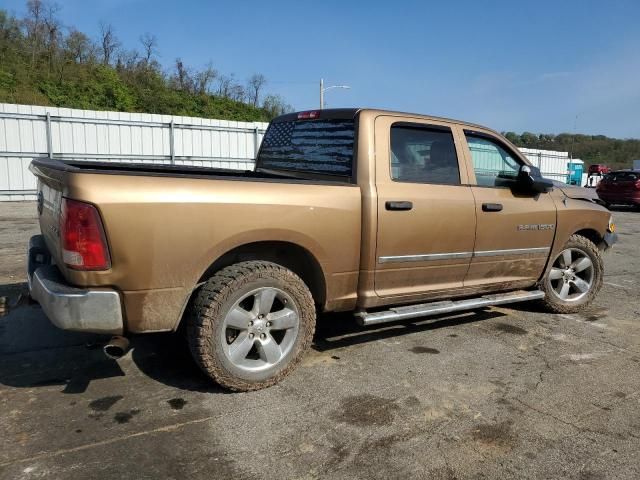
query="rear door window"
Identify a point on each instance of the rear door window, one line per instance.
(314, 146)
(422, 154)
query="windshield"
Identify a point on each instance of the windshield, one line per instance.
(314, 146)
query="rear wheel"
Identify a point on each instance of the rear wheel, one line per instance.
(575, 276)
(250, 325)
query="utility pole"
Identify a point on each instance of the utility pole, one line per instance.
(573, 137)
(323, 89)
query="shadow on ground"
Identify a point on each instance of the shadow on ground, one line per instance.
(33, 353)
(341, 330)
(166, 357)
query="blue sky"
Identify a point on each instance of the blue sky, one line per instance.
(510, 65)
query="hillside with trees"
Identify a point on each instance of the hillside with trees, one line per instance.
(616, 153)
(44, 62)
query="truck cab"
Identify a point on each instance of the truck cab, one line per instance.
(449, 216)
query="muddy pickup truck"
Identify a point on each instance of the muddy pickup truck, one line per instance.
(391, 216)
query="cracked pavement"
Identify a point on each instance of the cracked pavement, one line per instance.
(496, 393)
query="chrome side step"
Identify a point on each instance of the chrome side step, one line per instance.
(447, 306)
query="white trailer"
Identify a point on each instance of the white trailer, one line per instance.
(552, 164)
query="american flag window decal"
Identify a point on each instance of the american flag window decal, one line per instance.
(320, 146)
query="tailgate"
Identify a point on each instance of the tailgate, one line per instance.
(51, 185)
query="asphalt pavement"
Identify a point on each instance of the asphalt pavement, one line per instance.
(496, 393)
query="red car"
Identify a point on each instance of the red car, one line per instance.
(620, 188)
(598, 169)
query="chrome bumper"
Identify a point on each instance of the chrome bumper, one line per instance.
(70, 308)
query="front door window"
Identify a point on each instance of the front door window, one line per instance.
(493, 165)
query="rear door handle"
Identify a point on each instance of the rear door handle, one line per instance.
(398, 205)
(491, 207)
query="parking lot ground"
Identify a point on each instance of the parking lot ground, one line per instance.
(496, 393)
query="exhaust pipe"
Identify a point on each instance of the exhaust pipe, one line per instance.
(4, 306)
(116, 348)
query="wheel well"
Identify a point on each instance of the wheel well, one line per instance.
(294, 257)
(590, 234)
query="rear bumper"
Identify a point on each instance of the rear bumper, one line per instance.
(67, 307)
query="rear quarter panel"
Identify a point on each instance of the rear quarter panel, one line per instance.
(164, 232)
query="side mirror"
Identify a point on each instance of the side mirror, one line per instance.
(532, 180)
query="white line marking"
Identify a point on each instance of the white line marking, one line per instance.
(579, 320)
(578, 357)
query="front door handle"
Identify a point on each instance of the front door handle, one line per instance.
(491, 207)
(398, 205)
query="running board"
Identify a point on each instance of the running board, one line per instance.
(447, 306)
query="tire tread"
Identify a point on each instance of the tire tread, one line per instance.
(551, 303)
(207, 309)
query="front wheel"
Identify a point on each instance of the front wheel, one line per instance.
(250, 325)
(575, 276)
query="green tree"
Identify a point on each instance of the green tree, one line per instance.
(43, 63)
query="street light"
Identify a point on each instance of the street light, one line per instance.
(324, 89)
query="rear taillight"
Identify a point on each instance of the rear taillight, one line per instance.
(84, 245)
(637, 184)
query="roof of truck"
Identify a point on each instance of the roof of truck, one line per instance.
(346, 113)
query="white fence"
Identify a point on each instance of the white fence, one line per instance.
(552, 164)
(28, 132)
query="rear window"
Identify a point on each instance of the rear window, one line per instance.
(621, 177)
(315, 146)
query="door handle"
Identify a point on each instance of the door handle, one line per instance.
(398, 205)
(491, 207)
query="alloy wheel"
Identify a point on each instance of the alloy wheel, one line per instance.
(260, 329)
(571, 276)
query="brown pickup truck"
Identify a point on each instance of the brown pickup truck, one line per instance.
(390, 215)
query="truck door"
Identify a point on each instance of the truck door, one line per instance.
(514, 231)
(426, 213)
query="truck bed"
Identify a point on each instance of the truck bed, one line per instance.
(165, 226)
(166, 170)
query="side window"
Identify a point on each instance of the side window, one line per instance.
(494, 166)
(423, 155)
